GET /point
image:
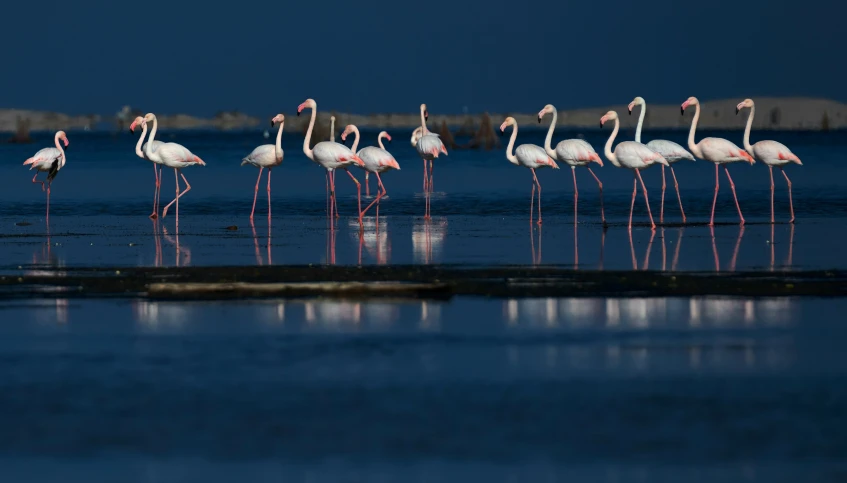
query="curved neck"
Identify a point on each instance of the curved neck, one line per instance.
(747, 130)
(306, 150)
(149, 147)
(549, 140)
(138, 150)
(610, 155)
(379, 140)
(278, 146)
(332, 130)
(59, 147)
(423, 124)
(509, 154)
(640, 122)
(691, 144)
(356, 139)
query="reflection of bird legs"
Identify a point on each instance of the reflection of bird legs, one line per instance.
(649, 249)
(790, 247)
(361, 243)
(715, 249)
(259, 260)
(737, 246)
(664, 252)
(178, 250)
(676, 252)
(158, 243)
(330, 245)
(602, 243)
(536, 255)
(632, 251)
(772, 229)
(575, 248)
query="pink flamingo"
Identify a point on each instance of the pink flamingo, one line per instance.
(771, 153)
(429, 146)
(376, 160)
(718, 151)
(632, 155)
(574, 153)
(266, 156)
(139, 151)
(50, 161)
(331, 156)
(382, 134)
(172, 155)
(530, 156)
(671, 151)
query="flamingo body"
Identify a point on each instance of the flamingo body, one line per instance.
(49, 160)
(377, 160)
(722, 151)
(633, 155)
(576, 153)
(263, 156)
(429, 146)
(671, 151)
(534, 157)
(773, 153)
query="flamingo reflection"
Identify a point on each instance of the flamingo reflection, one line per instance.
(375, 239)
(179, 250)
(788, 262)
(157, 241)
(734, 258)
(536, 255)
(646, 252)
(675, 260)
(259, 259)
(428, 239)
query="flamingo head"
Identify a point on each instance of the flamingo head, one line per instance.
(691, 101)
(278, 119)
(416, 135)
(307, 103)
(64, 137)
(424, 112)
(385, 135)
(138, 121)
(547, 110)
(638, 101)
(609, 116)
(509, 121)
(149, 117)
(741, 105)
(349, 129)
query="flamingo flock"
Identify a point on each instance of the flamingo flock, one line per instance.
(333, 156)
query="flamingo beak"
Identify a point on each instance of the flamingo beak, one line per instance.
(737, 110)
(630, 108)
(682, 110)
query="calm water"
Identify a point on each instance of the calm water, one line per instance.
(611, 390)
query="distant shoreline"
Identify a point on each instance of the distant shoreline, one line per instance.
(772, 113)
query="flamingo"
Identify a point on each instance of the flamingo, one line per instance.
(574, 153)
(376, 160)
(172, 155)
(49, 160)
(632, 155)
(771, 153)
(530, 156)
(429, 146)
(718, 151)
(139, 151)
(331, 156)
(381, 135)
(671, 151)
(266, 156)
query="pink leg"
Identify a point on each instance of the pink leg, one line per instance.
(632, 204)
(770, 171)
(154, 215)
(600, 185)
(425, 179)
(176, 178)
(159, 191)
(431, 184)
(715, 200)
(790, 201)
(256, 193)
(678, 197)
(379, 195)
(575, 196)
(531, 205)
(732, 187)
(179, 193)
(269, 196)
(334, 195)
(332, 213)
(662, 205)
(368, 186)
(644, 188)
(37, 182)
(358, 194)
(539, 195)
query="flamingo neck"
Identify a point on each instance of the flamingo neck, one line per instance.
(306, 150)
(747, 145)
(59, 147)
(640, 122)
(138, 150)
(332, 130)
(149, 149)
(355, 140)
(423, 124)
(278, 145)
(695, 149)
(379, 140)
(549, 139)
(509, 154)
(610, 155)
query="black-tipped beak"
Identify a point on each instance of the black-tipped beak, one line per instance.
(272, 124)
(389, 141)
(630, 111)
(681, 110)
(601, 124)
(298, 113)
(737, 110)
(539, 119)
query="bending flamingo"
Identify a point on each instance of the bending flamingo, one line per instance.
(574, 153)
(530, 156)
(172, 155)
(717, 150)
(771, 153)
(266, 156)
(671, 151)
(331, 156)
(139, 151)
(50, 161)
(381, 135)
(429, 146)
(376, 160)
(632, 155)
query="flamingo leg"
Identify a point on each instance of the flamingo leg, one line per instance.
(732, 187)
(425, 179)
(368, 186)
(358, 194)
(256, 193)
(539, 194)
(678, 196)
(159, 191)
(575, 195)
(37, 182)
(715, 200)
(600, 185)
(269, 196)
(770, 171)
(331, 198)
(176, 178)
(790, 201)
(154, 215)
(632, 204)
(431, 184)
(662, 205)
(179, 193)
(646, 201)
(334, 196)
(48, 200)
(531, 206)
(379, 195)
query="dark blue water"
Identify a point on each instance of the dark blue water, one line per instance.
(101, 200)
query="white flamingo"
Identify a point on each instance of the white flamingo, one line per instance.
(331, 156)
(376, 160)
(771, 153)
(574, 153)
(50, 161)
(530, 156)
(671, 151)
(632, 155)
(172, 155)
(157, 168)
(718, 151)
(266, 156)
(429, 147)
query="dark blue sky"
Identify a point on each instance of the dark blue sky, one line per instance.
(389, 56)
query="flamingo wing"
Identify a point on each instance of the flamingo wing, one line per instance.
(636, 155)
(333, 153)
(377, 159)
(670, 150)
(533, 156)
(173, 153)
(430, 145)
(719, 150)
(44, 159)
(261, 157)
(772, 152)
(576, 152)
